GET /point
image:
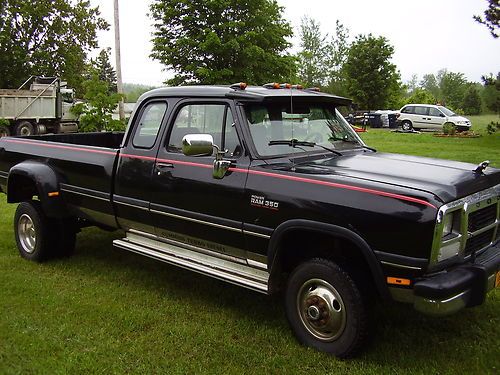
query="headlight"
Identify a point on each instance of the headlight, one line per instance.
(450, 237)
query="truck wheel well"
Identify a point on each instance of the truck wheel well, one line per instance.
(299, 246)
(20, 188)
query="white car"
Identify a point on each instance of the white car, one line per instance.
(427, 116)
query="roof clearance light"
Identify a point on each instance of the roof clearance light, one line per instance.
(239, 86)
(313, 89)
(272, 85)
(297, 87)
(286, 86)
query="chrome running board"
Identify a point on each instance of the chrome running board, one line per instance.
(226, 270)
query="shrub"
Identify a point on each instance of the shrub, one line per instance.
(493, 127)
(449, 129)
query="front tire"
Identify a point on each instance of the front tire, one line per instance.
(406, 126)
(325, 308)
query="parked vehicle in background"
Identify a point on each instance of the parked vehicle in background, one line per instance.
(427, 116)
(43, 108)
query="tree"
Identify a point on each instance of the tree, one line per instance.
(222, 41)
(491, 92)
(452, 86)
(471, 104)
(491, 17)
(421, 96)
(372, 79)
(96, 113)
(430, 84)
(313, 64)
(105, 70)
(322, 58)
(51, 38)
(339, 48)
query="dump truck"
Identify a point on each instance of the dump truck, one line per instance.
(44, 107)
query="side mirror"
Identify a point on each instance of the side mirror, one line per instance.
(203, 145)
(197, 145)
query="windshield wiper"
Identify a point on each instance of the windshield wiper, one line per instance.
(361, 145)
(295, 142)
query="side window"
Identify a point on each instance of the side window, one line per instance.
(421, 110)
(408, 109)
(149, 125)
(434, 112)
(210, 119)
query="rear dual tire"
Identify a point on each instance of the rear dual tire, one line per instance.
(40, 238)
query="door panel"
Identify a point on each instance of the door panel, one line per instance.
(187, 204)
(135, 168)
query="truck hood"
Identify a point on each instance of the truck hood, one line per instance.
(447, 180)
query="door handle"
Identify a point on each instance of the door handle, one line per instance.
(161, 167)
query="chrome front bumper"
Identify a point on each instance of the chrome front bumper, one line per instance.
(464, 286)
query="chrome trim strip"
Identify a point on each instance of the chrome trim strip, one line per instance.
(400, 265)
(250, 233)
(131, 205)
(84, 194)
(196, 220)
(483, 229)
(202, 250)
(255, 264)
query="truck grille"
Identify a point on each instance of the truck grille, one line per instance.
(479, 241)
(482, 218)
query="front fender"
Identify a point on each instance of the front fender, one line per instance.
(329, 229)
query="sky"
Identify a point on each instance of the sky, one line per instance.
(428, 35)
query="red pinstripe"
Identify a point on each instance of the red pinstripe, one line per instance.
(238, 170)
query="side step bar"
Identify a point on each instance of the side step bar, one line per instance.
(226, 270)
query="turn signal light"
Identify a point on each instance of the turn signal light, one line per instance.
(398, 281)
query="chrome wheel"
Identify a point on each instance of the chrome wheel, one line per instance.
(321, 310)
(406, 126)
(27, 233)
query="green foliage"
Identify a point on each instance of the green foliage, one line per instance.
(322, 58)
(4, 122)
(491, 17)
(96, 113)
(105, 70)
(134, 91)
(222, 41)
(453, 87)
(493, 127)
(449, 129)
(421, 96)
(51, 38)
(430, 84)
(312, 61)
(491, 92)
(372, 79)
(471, 104)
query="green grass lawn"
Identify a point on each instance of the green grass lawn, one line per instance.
(109, 311)
(473, 150)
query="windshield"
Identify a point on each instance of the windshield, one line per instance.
(447, 112)
(320, 124)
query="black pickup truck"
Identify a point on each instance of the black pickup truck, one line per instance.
(268, 188)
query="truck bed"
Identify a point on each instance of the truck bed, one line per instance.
(107, 140)
(83, 164)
